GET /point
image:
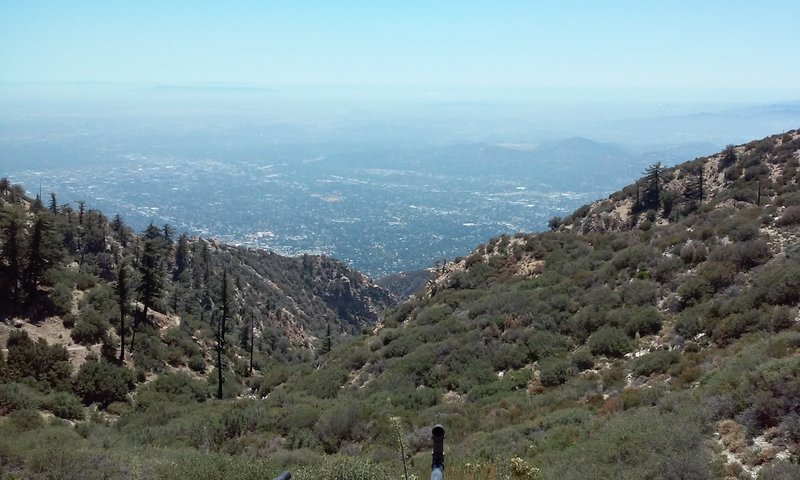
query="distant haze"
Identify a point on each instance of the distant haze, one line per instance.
(387, 134)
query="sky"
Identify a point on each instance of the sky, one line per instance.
(704, 45)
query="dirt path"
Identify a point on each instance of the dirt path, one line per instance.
(53, 331)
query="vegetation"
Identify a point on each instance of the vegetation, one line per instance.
(623, 343)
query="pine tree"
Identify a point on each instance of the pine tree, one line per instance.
(181, 256)
(152, 283)
(222, 318)
(12, 231)
(5, 186)
(728, 158)
(695, 190)
(168, 233)
(122, 301)
(651, 198)
(37, 205)
(53, 203)
(36, 261)
(252, 343)
(81, 211)
(328, 344)
(118, 226)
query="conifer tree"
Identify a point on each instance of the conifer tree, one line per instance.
(328, 343)
(651, 197)
(81, 211)
(53, 203)
(122, 301)
(36, 261)
(37, 205)
(152, 283)
(222, 319)
(695, 190)
(12, 231)
(728, 157)
(181, 256)
(168, 233)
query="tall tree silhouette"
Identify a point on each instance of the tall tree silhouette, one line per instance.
(181, 257)
(36, 261)
(122, 301)
(13, 231)
(651, 197)
(222, 319)
(152, 282)
(728, 157)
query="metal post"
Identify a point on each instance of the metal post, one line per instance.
(437, 465)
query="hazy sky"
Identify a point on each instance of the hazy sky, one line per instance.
(500, 43)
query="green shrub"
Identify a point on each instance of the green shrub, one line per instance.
(610, 341)
(197, 363)
(101, 382)
(338, 425)
(543, 344)
(718, 274)
(582, 359)
(25, 420)
(779, 470)
(644, 321)
(655, 362)
(639, 292)
(554, 371)
(689, 323)
(62, 298)
(345, 468)
(47, 365)
(694, 290)
(90, 328)
(17, 396)
(508, 356)
(790, 216)
(64, 405)
(640, 397)
(179, 387)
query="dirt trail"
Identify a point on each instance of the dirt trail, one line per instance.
(53, 331)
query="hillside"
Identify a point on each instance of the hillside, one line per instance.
(60, 268)
(652, 334)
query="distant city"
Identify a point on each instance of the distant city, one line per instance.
(382, 194)
(379, 220)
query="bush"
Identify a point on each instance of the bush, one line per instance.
(655, 362)
(582, 360)
(345, 468)
(610, 341)
(64, 405)
(90, 328)
(47, 365)
(102, 382)
(718, 274)
(62, 298)
(16, 396)
(554, 371)
(780, 470)
(639, 292)
(790, 216)
(543, 344)
(644, 321)
(197, 363)
(179, 387)
(694, 290)
(337, 425)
